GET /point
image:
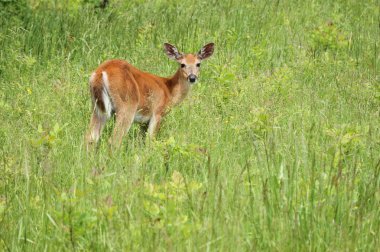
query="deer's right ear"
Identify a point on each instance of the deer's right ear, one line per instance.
(172, 52)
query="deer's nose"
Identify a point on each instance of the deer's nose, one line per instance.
(192, 78)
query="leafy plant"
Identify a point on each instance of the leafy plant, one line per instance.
(328, 37)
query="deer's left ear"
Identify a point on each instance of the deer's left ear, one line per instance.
(206, 51)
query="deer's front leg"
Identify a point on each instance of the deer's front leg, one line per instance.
(154, 125)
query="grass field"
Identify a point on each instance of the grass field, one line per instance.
(277, 148)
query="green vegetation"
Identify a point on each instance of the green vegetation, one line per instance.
(277, 148)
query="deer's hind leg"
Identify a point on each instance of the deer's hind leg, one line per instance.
(125, 114)
(125, 99)
(97, 122)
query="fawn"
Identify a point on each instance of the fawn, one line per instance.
(132, 95)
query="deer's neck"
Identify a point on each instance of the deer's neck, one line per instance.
(178, 87)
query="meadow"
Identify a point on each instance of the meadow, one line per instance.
(277, 148)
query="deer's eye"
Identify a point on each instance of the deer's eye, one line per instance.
(183, 65)
(199, 64)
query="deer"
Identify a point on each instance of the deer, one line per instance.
(121, 90)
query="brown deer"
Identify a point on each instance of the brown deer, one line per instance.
(132, 95)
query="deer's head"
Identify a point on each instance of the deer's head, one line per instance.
(189, 63)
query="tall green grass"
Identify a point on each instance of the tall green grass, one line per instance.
(277, 148)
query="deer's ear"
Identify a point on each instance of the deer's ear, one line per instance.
(172, 52)
(206, 51)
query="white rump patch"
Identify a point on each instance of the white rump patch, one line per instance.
(106, 95)
(92, 77)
